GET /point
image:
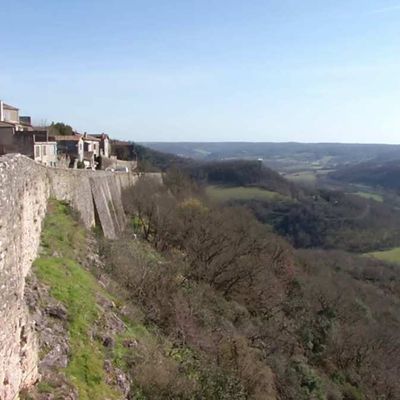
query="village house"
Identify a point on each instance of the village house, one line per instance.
(71, 147)
(34, 144)
(105, 150)
(91, 145)
(83, 151)
(9, 116)
(75, 150)
(18, 136)
(45, 151)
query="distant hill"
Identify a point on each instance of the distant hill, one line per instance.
(239, 173)
(378, 174)
(283, 156)
(148, 159)
(228, 173)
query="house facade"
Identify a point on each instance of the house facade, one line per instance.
(34, 144)
(70, 146)
(9, 116)
(82, 150)
(105, 149)
(45, 153)
(68, 149)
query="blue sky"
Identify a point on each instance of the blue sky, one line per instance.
(169, 70)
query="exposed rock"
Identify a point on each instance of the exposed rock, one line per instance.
(117, 377)
(130, 343)
(58, 311)
(108, 341)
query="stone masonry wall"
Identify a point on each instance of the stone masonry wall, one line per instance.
(25, 187)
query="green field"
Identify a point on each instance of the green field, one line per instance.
(305, 177)
(371, 196)
(223, 193)
(392, 255)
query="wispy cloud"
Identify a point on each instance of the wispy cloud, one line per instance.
(384, 10)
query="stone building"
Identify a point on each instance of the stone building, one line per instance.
(105, 150)
(34, 144)
(82, 150)
(9, 116)
(70, 146)
(45, 152)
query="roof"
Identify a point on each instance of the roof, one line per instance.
(7, 124)
(8, 107)
(90, 137)
(101, 136)
(66, 138)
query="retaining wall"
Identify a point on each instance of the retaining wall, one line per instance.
(25, 187)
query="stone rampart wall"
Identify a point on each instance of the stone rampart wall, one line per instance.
(25, 187)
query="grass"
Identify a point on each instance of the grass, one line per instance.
(392, 255)
(370, 196)
(302, 177)
(223, 193)
(121, 353)
(62, 242)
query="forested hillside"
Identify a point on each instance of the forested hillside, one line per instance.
(282, 156)
(269, 321)
(221, 300)
(379, 174)
(238, 173)
(202, 301)
(331, 220)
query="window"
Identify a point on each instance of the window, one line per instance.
(44, 150)
(37, 151)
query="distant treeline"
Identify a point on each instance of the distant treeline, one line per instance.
(380, 174)
(148, 160)
(239, 173)
(307, 218)
(339, 152)
(331, 220)
(229, 172)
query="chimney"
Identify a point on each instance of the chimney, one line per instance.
(1, 110)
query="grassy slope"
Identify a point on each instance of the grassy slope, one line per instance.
(62, 241)
(305, 177)
(222, 193)
(392, 255)
(369, 195)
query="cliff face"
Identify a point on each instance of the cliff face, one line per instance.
(25, 188)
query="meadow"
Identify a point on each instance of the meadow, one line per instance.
(225, 193)
(392, 255)
(370, 196)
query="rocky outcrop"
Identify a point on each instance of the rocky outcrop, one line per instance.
(25, 187)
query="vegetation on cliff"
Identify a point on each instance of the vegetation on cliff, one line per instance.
(286, 324)
(63, 243)
(208, 303)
